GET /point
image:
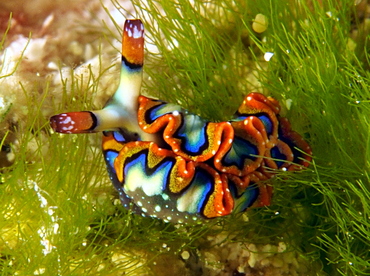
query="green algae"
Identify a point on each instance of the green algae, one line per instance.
(59, 215)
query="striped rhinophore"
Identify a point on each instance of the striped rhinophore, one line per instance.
(168, 163)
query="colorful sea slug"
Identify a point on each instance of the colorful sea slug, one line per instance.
(171, 164)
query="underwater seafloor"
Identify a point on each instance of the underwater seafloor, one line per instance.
(59, 213)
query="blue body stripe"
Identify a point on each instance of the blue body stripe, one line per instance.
(193, 134)
(118, 136)
(141, 160)
(240, 150)
(110, 156)
(204, 181)
(266, 122)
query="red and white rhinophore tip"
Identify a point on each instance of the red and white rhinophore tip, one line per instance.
(74, 122)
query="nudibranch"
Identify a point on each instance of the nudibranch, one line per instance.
(168, 163)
